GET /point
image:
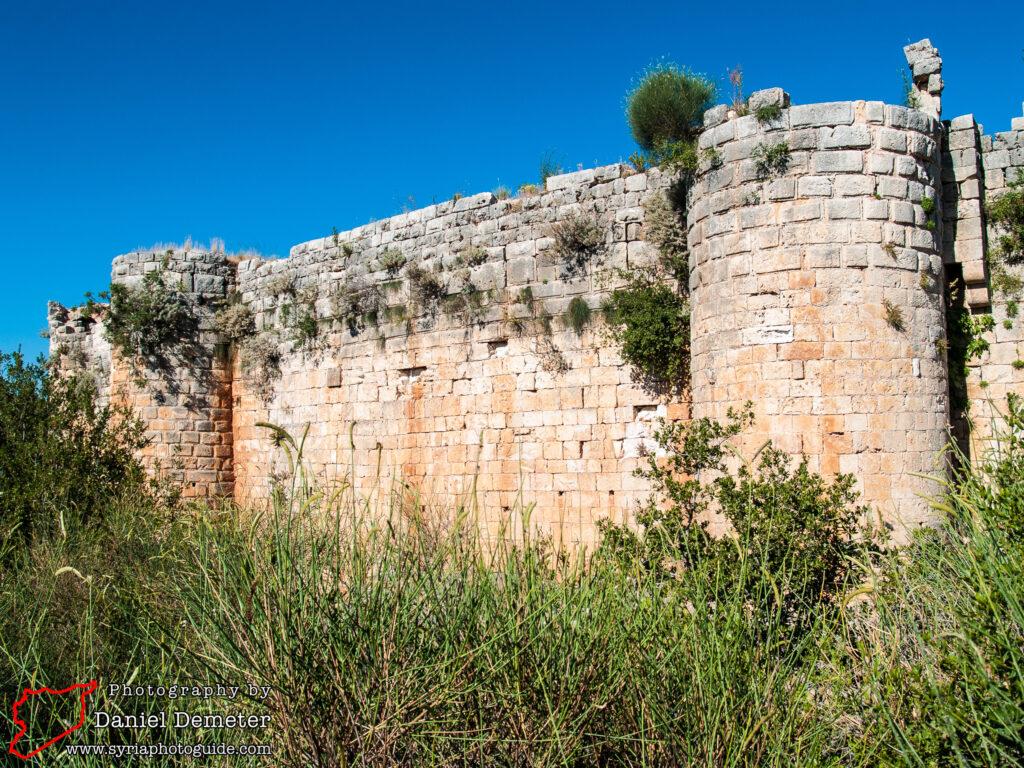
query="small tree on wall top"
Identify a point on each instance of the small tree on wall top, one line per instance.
(665, 108)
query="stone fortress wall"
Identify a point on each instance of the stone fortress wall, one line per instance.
(433, 346)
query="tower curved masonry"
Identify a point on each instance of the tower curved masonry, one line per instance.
(817, 291)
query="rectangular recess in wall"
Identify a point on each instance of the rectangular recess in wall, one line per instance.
(409, 375)
(497, 348)
(645, 412)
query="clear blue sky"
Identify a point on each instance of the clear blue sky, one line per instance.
(123, 124)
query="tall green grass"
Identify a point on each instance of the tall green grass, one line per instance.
(392, 635)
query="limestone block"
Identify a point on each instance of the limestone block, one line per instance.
(974, 271)
(927, 66)
(568, 180)
(977, 296)
(780, 189)
(767, 98)
(960, 140)
(520, 271)
(874, 111)
(861, 186)
(715, 116)
(845, 137)
(831, 114)
(876, 209)
(768, 334)
(814, 186)
(838, 161)
(919, 51)
(844, 209)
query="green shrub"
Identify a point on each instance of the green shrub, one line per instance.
(235, 321)
(667, 105)
(261, 362)
(651, 322)
(910, 97)
(577, 240)
(665, 227)
(391, 260)
(793, 531)
(577, 316)
(767, 113)
(426, 287)
(549, 166)
(893, 315)
(358, 304)
(1006, 215)
(641, 161)
(146, 320)
(306, 327)
(281, 285)
(467, 304)
(61, 457)
(771, 160)
(475, 255)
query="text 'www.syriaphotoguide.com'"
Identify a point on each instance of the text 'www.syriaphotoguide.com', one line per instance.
(157, 750)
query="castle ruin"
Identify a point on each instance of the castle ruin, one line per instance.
(433, 347)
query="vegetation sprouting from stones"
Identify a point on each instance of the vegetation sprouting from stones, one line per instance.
(664, 110)
(1006, 214)
(147, 319)
(577, 315)
(578, 240)
(771, 160)
(650, 317)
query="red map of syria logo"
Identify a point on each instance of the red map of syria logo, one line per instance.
(85, 688)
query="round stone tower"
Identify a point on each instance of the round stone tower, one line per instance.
(817, 291)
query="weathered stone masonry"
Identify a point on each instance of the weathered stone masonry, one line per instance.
(790, 286)
(817, 292)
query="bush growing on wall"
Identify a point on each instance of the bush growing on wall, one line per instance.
(1006, 213)
(577, 240)
(650, 316)
(652, 323)
(145, 319)
(665, 227)
(235, 321)
(665, 108)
